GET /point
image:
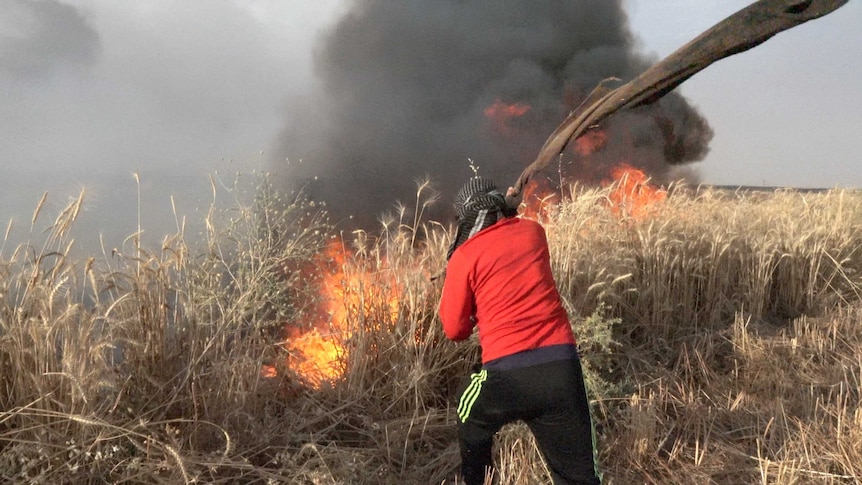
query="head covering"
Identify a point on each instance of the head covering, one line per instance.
(479, 205)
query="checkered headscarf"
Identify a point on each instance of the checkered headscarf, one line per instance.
(479, 205)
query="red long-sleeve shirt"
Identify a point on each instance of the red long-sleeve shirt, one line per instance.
(501, 280)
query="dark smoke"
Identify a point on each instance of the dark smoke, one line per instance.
(405, 86)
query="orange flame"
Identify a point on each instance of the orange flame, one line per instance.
(319, 354)
(633, 195)
(501, 113)
(268, 371)
(316, 354)
(537, 200)
(590, 142)
(539, 197)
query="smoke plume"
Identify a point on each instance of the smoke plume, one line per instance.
(413, 89)
(37, 36)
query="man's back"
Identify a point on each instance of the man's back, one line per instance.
(502, 277)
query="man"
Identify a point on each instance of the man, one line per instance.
(499, 278)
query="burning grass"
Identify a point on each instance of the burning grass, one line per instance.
(719, 331)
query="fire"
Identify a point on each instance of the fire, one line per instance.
(590, 142)
(538, 199)
(633, 195)
(268, 371)
(501, 114)
(318, 354)
(350, 292)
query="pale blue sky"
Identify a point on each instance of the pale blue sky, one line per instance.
(786, 113)
(176, 90)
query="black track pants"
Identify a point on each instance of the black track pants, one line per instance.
(550, 398)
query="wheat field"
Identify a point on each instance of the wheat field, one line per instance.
(719, 332)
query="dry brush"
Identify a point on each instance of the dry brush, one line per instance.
(719, 332)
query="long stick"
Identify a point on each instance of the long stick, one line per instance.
(741, 31)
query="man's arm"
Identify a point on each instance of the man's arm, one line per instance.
(456, 305)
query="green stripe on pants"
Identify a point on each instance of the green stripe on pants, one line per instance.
(471, 394)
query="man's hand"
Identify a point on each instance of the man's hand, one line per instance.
(513, 197)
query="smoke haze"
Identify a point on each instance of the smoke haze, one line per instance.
(413, 89)
(42, 36)
(95, 91)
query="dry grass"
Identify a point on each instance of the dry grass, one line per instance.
(719, 331)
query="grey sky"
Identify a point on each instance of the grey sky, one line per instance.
(92, 91)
